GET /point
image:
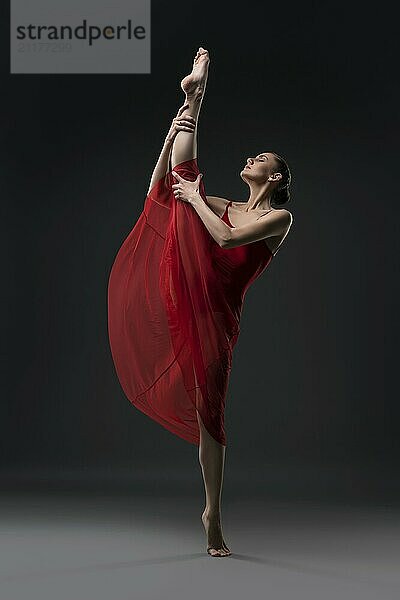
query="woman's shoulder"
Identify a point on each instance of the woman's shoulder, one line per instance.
(239, 206)
(217, 204)
(289, 214)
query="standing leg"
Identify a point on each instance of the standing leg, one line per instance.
(194, 86)
(212, 461)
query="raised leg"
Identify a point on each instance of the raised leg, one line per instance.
(194, 86)
(212, 462)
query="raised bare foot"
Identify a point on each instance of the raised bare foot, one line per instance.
(194, 84)
(215, 542)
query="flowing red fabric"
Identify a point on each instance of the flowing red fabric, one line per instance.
(174, 303)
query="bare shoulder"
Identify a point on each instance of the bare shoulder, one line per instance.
(288, 215)
(285, 217)
(217, 204)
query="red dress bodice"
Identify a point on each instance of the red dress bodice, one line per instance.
(238, 267)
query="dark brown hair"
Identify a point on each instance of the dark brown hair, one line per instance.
(281, 194)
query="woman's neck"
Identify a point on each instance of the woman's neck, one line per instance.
(259, 198)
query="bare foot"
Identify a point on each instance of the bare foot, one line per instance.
(215, 542)
(194, 84)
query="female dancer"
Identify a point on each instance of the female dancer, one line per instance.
(177, 286)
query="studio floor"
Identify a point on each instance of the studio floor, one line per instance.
(69, 544)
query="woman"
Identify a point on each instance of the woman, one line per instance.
(177, 286)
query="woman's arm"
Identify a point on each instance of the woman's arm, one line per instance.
(217, 228)
(269, 225)
(179, 123)
(225, 236)
(188, 191)
(217, 204)
(161, 168)
(228, 237)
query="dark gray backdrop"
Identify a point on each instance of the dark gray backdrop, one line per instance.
(310, 383)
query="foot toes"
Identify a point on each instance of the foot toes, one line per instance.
(219, 552)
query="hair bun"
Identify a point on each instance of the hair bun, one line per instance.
(282, 195)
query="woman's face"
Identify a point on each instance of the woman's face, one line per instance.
(259, 168)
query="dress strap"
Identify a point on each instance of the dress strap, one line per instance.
(226, 207)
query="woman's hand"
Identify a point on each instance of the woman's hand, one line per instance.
(186, 190)
(179, 123)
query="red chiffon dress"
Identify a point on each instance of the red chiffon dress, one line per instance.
(174, 303)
